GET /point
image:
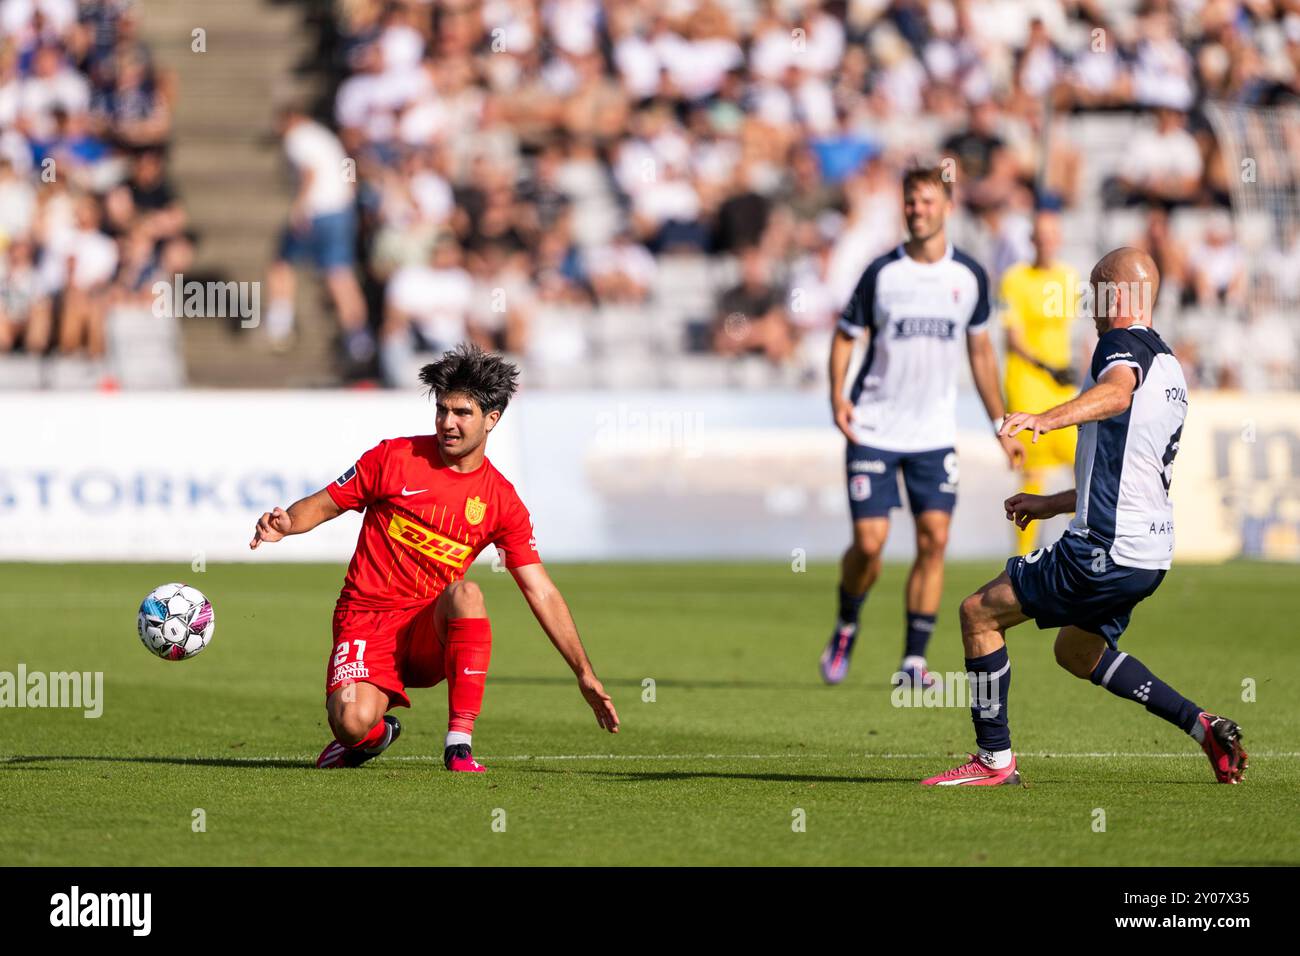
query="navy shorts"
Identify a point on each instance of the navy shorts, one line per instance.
(1074, 581)
(930, 476)
(327, 242)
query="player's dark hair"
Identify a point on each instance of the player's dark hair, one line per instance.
(487, 378)
(934, 175)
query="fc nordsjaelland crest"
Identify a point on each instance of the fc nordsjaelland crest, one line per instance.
(474, 510)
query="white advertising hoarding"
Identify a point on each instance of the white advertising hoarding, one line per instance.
(606, 475)
(172, 476)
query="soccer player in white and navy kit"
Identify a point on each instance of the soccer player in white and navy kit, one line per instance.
(921, 306)
(1117, 549)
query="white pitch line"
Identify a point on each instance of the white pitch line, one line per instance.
(430, 758)
(785, 756)
(928, 756)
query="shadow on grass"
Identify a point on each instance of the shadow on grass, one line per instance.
(623, 776)
(738, 684)
(634, 776)
(627, 776)
(23, 762)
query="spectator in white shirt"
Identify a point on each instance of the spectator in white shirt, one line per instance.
(1218, 266)
(322, 230)
(17, 203)
(89, 262)
(431, 303)
(1162, 165)
(1098, 78)
(25, 312)
(1162, 74)
(621, 271)
(52, 85)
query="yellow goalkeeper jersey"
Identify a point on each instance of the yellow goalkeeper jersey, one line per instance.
(1040, 304)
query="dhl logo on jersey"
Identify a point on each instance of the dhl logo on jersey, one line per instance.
(422, 539)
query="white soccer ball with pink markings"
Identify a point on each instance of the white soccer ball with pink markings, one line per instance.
(176, 622)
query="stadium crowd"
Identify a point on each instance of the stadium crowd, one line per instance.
(88, 218)
(503, 158)
(513, 155)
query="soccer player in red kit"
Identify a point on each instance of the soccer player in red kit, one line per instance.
(406, 616)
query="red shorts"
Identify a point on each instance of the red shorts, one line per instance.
(393, 650)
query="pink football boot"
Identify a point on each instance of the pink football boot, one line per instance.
(976, 773)
(458, 758)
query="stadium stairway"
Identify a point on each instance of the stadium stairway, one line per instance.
(228, 167)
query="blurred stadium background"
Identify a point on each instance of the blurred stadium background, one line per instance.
(658, 206)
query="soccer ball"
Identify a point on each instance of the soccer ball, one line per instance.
(176, 621)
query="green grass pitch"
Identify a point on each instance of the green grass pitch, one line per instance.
(741, 734)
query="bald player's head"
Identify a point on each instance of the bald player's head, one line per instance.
(1124, 287)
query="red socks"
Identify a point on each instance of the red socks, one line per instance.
(376, 736)
(469, 648)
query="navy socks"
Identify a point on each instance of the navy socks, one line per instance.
(1128, 677)
(919, 629)
(850, 607)
(990, 680)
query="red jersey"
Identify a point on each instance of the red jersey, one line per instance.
(424, 523)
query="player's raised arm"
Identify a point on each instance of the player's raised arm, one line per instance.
(552, 613)
(302, 516)
(1112, 394)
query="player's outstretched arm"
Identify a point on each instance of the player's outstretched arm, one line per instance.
(302, 516)
(984, 371)
(553, 614)
(1108, 398)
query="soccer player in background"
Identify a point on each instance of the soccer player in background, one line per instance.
(406, 617)
(1116, 550)
(1038, 313)
(916, 305)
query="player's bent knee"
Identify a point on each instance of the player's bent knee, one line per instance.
(971, 613)
(466, 600)
(1072, 663)
(1076, 657)
(353, 721)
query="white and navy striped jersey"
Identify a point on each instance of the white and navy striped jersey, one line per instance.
(1123, 465)
(918, 315)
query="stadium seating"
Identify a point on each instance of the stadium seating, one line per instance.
(231, 174)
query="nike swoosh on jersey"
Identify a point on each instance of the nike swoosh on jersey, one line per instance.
(418, 491)
(470, 672)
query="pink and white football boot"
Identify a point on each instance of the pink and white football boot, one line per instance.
(976, 773)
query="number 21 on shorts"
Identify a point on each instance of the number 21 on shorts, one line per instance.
(341, 652)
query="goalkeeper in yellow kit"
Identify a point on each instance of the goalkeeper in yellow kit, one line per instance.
(1038, 311)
